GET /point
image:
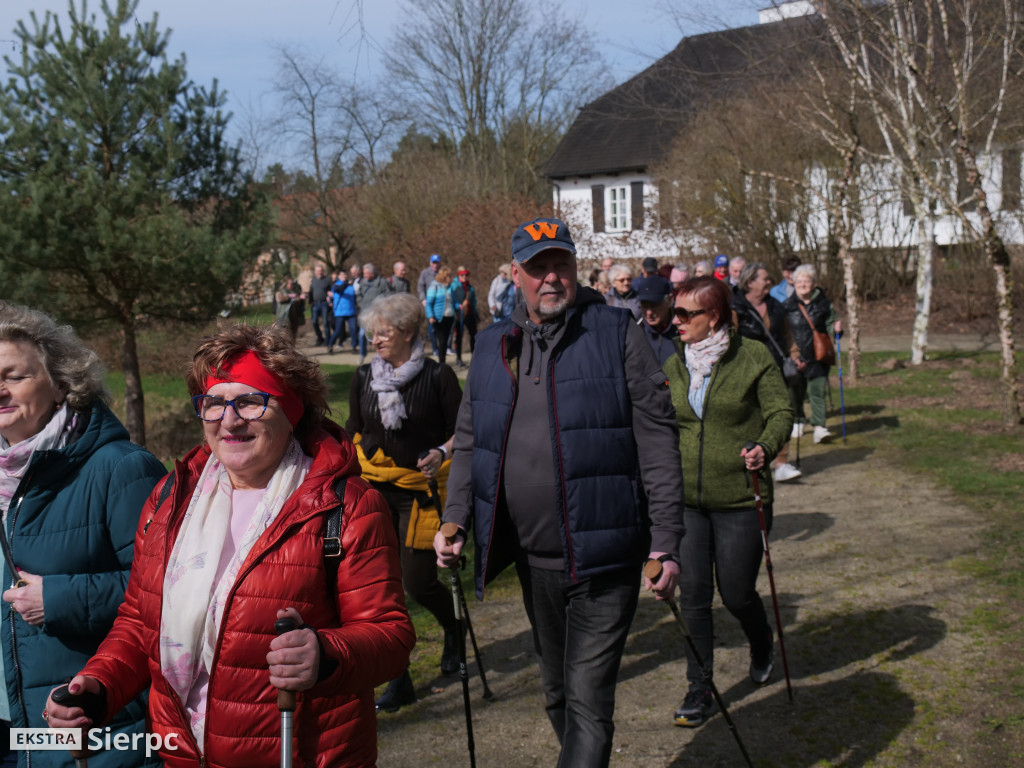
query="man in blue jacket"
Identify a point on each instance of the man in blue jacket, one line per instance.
(547, 465)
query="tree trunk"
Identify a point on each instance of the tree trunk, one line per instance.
(1004, 303)
(134, 406)
(923, 289)
(852, 326)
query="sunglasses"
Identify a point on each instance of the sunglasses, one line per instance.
(687, 314)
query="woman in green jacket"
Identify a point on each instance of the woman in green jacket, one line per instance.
(727, 392)
(72, 486)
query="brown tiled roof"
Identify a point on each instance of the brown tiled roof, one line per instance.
(631, 127)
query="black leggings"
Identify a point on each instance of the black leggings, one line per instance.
(443, 329)
(419, 566)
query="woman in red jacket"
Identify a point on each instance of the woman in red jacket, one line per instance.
(237, 541)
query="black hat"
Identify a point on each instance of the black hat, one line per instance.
(653, 289)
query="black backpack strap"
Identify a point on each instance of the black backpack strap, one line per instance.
(332, 532)
(165, 491)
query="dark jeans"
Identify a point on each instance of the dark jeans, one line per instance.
(339, 335)
(467, 325)
(442, 333)
(724, 547)
(419, 566)
(321, 315)
(580, 631)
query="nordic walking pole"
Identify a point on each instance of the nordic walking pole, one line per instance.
(285, 703)
(450, 531)
(652, 570)
(92, 705)
(435, 497)
(839, 365)
(768, 566)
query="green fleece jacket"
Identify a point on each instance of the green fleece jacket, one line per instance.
(746, 400)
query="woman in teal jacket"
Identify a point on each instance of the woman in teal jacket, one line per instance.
(727, 392)
(72, 486)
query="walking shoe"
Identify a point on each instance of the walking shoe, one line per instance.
(762, 664)
(786, 472)
(821, 434)
(362, 359)
(399, 692)
(450, 654)
(798, 431)
(697, 707)
(330, 350)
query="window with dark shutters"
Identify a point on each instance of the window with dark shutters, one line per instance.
(597, 204)
(636, 203)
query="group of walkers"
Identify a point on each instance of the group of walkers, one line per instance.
(277, 554)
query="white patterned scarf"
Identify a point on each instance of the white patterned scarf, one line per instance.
(14, 459)
(193, 595)
(702, 355)
(387, 381)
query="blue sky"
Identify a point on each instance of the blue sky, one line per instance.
(235, 41)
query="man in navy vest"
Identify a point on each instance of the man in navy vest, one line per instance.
(566, 459)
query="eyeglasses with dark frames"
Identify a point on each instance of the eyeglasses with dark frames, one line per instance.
(248, 407)
(686, 315)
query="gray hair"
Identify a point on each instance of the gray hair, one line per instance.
(702, 266)
(370, 266)
(402, 311)
(616, 270)
(748, 275)
(72, 367)
(806, 269)
(737, 260)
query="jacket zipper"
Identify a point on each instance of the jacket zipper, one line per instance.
(561, 466)
(12, 518)
(501, 461)
(700, 452)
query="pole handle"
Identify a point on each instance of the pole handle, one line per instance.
(450, 531)
(653, 569)
(285, 699)
(92, 704)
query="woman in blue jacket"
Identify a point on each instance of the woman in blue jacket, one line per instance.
(440, 310)
(343, 301)
(72, 486)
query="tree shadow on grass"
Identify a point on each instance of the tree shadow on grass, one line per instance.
(799, 526)
(825, 460)
(847, 722)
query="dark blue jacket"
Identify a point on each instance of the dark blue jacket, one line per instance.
(73, 521)
(601, 508)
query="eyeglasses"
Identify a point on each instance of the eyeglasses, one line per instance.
(248, 407)
(384, 334)
(686, 315)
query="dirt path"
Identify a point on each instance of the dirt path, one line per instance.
(889, 667)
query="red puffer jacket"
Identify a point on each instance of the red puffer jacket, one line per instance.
(361, 622)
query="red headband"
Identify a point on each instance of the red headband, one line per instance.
(246, 368)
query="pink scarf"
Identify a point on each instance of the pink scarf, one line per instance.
(702, 355)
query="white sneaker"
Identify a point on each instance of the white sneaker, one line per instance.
(786, 472)
(798, 431)
(821, 434)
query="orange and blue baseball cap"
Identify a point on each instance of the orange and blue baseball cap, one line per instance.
(538, 235)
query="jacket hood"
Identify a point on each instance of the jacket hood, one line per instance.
(96, 427)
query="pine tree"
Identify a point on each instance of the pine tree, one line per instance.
(120, 198)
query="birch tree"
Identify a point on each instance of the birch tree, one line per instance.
(940, 76)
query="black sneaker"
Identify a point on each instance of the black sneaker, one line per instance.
(762, 664)
(399, 692)
(697, 707)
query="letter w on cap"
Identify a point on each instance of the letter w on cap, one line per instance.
(540, 229)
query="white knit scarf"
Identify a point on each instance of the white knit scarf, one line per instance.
(702, 355)
(14, 459)
(193, 597)
(387, 381)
